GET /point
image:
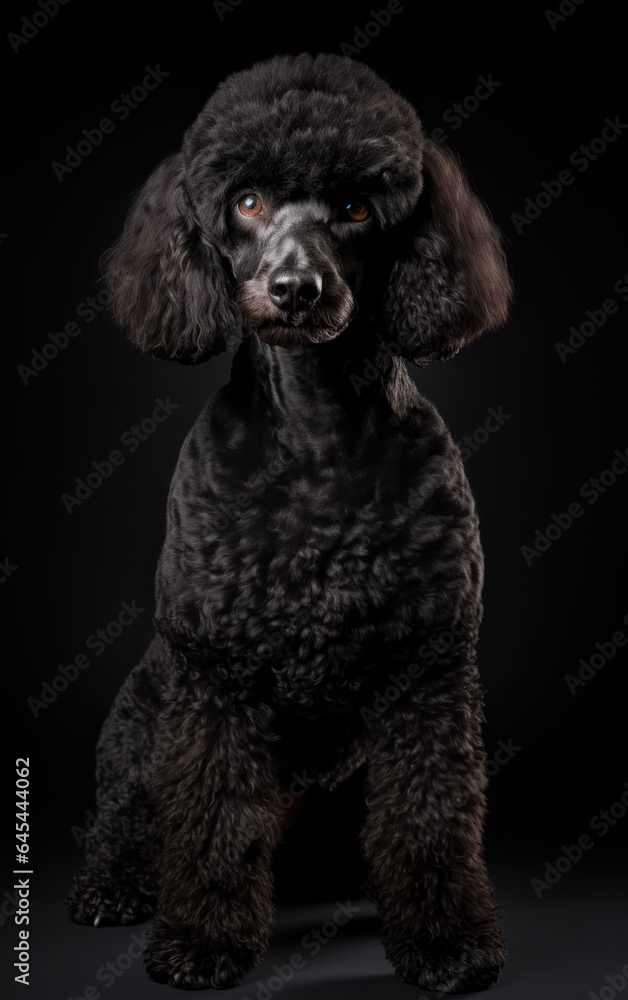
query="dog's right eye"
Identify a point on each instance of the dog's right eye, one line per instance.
(249, 205)
(357, 211)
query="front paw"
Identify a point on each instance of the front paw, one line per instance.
(189, 961)
(103, 896)
(462, 965)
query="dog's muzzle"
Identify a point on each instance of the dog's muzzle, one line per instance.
(298, 294)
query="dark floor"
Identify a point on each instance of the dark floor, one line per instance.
(562, 947)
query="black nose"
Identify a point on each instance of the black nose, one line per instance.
(294, 290)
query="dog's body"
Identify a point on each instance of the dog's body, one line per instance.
(322, 543)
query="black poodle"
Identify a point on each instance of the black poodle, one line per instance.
(319, 591)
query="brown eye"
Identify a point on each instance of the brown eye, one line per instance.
(249, 205)
(357, 211)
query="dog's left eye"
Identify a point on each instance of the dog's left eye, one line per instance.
(249, 205)
(356, 211)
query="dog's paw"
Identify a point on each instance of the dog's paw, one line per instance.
(447, 966)
(102, 896)
(189, 962)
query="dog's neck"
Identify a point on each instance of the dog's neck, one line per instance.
(334, 394)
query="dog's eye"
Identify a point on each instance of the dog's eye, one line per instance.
(357, 211)
(249, 205)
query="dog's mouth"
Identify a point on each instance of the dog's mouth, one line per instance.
(323, 322)
(297, 330)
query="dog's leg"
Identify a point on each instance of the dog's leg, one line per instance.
(423, 837)
(116, 886)
(214, 787)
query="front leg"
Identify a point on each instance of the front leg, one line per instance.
(423, 836)
(213, 785)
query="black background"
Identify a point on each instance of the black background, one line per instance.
(556, 88)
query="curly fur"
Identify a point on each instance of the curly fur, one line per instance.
(321, 533)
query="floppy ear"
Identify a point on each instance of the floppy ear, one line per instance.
(453, 284)
(169, 289)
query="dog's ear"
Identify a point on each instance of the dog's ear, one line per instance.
(453, 283)
(169, 290)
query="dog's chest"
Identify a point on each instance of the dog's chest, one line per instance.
(313, 534)
(308, 571)
(302, 573)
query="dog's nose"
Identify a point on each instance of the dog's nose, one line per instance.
(294, 290)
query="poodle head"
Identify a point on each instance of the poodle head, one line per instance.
(305, 187)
